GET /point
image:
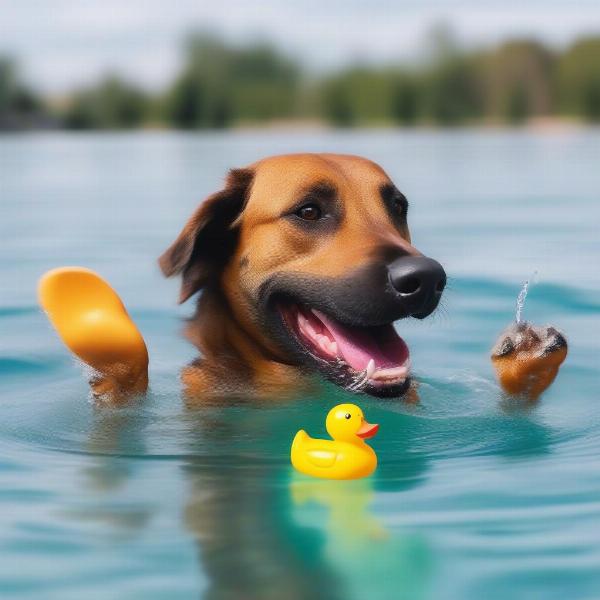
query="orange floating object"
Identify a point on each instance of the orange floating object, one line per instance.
(527, 358)
(93, 323)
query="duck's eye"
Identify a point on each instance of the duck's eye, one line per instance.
(347, 415)
(309, 212)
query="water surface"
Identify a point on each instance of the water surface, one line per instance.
(474, 497)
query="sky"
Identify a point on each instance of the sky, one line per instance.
(60, 44)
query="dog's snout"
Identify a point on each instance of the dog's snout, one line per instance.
(419, 282)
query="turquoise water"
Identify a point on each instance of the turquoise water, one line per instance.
(475, 497)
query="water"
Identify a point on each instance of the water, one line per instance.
(474, 497)
(521, 301)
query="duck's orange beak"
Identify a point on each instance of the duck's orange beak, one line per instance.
(367, 430)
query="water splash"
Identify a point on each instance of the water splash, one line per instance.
(521, 298)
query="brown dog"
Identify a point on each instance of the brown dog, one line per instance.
(304, 262)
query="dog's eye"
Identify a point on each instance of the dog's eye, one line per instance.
(401, 204)
(347, 416)
(309, 212)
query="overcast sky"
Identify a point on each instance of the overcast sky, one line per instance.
(61, 43)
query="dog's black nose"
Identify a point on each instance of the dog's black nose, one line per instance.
(419, 282)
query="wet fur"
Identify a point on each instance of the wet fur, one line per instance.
(239, 242)
(527, 359)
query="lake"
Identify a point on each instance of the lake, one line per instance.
(474, 497)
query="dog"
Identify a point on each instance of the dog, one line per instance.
(304, 262)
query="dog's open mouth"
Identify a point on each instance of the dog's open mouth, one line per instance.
(374, 359)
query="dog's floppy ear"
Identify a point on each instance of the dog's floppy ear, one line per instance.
(208, 238)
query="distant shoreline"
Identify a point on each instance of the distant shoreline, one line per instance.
(538, 124)
(519, 82)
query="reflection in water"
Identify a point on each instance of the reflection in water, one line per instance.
(349, 519)
(372, 562)
(248, 547)
(252, 533)
(258, 533)
(115, 431)
(238, 511)
(263, 531)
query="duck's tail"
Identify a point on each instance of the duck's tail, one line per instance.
(299, 439)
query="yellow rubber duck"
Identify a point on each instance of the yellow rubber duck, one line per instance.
(93, 323)
(346, 456)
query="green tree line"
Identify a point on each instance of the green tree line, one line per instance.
(222, 85)
(20, 107)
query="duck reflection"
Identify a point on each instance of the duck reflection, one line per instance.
(372, 561)
(347, 504)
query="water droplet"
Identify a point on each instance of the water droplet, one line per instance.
(521, 298)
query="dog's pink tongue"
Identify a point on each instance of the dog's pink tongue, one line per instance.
(358, 347)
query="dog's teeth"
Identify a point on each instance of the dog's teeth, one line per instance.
(324, 344)
(334, 347)
(310, 329)
(302, 323)
(391, 374)
(370, 368)
(305, 326)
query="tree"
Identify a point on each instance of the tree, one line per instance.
(221, 84)
(20, 107)
(579, 79)
(405, 97)
(452, 90)
(518, 80)
(112, 104)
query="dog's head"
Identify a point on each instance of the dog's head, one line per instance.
(314, 257)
